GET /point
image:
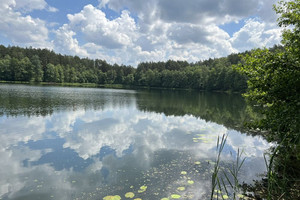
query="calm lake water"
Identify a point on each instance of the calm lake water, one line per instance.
(82, 143)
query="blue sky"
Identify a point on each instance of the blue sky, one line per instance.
(133, 31)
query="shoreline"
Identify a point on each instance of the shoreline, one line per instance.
(112, 86)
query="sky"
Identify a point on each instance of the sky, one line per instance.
(133, 31)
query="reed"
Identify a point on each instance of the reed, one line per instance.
(227, 185)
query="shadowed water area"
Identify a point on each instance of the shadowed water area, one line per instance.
(90, 143)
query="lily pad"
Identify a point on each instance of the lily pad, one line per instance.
(225, 196)
(197, 163)
(142, 189)
(129, 195)
(183, 172)
(175, 196)
(191, 182)
(181, 188)
(164, 199)
(116, 197)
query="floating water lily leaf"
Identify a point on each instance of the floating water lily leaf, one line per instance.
(142, 189)
(225, 196)
(137, 199)
(181, 188)
(240, 196)
(175, 196)
(129, 195)
(190, 182)
(164, 199)
(116, 197)
(197, 163)
(183, 172)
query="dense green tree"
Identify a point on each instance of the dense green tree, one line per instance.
(37, 69)
(51, 67)
(17, 72)
(29, 68)
(274, 85)
(273, 77)
(3, 51)
(111, 76)
(6, 73)
(119, 75)
(59, 72)
(129, 79)
(101, 77)
(73, 78)
(166, 78)
(51, 73)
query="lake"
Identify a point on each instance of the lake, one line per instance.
(90, 143)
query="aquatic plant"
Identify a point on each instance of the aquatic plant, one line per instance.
(230, 178)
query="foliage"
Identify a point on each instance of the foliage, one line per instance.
(274, 85)
(229, 183)
(273, 78)
(290, 17)
(47, 66)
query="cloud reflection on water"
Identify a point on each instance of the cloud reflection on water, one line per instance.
(97, 142)
(119, 129)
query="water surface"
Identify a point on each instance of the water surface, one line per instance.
(88, 143)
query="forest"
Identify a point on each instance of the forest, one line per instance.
(43, 65)
(270, 78)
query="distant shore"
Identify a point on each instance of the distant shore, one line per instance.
(111, 86)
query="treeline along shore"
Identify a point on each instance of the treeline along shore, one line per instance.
(43, 65)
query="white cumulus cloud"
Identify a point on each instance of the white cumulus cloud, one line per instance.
(97, 29)
(66, 43)
(144, 30)
(22, 29)
(161, 30)
(256, 34)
